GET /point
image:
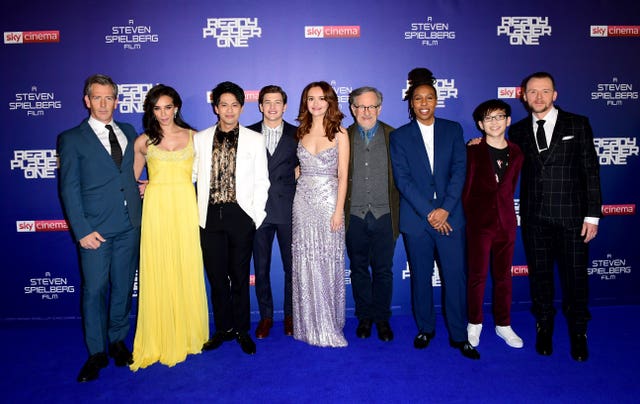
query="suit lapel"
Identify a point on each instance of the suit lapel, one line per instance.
(420, 148)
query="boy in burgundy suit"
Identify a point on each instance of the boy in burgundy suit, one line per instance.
(493, 168)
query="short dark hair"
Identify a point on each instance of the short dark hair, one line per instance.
(102, 80)
(488, 107)
(270, 89)
(538, 75)
(421, 75)
(227, 87)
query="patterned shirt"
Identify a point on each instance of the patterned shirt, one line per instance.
(223, 166)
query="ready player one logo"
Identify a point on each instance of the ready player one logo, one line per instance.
(446, 89)
(131, 97)
(524, 30)
(35, 102)
(35, 163)
(615, 150)
(22, 37)
(435, 277)
(131, 36)
(232, 32)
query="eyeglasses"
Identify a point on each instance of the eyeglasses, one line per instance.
(499, 117)
(363, 108)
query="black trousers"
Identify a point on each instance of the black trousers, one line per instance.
(546, 244)
(227, 241)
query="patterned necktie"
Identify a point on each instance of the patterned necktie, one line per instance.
(116, 150)
(540, 136)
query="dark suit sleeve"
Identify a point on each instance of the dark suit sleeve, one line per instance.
(591, 171)
(458, 170)
(70, 185)
(403, 171)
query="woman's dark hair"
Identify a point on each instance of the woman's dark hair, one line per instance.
(332, 118)
(149, 121)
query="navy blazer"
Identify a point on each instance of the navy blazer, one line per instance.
(282, 176)
(562, 184)
(93, 190)
(415, 181)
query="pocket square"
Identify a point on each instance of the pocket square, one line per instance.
(567, 138)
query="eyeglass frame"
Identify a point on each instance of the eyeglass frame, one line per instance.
(363, 108)
(497, 118)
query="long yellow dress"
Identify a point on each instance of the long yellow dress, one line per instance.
(173, 315)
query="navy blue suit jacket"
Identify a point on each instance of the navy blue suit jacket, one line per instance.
(92, 188)
(417, 183)
(282, 166)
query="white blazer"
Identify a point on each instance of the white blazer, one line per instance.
(252, 173)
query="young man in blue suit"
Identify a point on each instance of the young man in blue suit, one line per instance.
(428, 157)
(102, 203)
(280, 137)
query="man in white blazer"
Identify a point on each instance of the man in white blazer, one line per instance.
(232, 176)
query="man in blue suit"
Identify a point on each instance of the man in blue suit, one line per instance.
(281, 142)
(102, 204)
(428, 158)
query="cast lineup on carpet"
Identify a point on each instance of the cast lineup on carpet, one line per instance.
(322, 189)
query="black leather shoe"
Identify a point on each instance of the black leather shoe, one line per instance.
(246, 343)
(466, 349)
(364, 328)
(579, 349)
(384, 331)
(544, 345)
(120, 353)
(217, 339)
(91, 369)
(421, 341)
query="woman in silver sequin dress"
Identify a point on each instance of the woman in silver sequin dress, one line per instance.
(318, 247)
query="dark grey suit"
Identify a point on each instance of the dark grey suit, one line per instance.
(559, 188)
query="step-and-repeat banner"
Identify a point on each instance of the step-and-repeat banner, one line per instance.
(477, 50)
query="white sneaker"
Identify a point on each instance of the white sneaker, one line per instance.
(473, 334)
(510, 337)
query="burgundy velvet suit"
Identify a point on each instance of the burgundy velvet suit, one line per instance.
(491, 229)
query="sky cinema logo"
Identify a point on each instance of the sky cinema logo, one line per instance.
(332, 31)
(604, 31)
(37, 226)
(510, 92)
(22, 37)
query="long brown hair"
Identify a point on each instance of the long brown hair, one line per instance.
(332, 118)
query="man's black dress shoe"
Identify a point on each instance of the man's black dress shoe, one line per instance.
(544, 345)
(579, 349)
(218, 338)
(120, 353)
(91, 369)
(421, 341)
(466, 349)
(246, 343)
(364, 328)
(384, 331)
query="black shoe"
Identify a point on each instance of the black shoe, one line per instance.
(421, 341)
(579, 349)
(246, 343)
(120, 353)
(364, 328)
(384, 331)
(466, 349)
(91, 369)
(217, 339)
(544, 345)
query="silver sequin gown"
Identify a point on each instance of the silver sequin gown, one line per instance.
(318, 253)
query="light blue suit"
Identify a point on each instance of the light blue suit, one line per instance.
(417, 185)
(99, 196)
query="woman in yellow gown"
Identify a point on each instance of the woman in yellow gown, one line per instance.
(173, 316)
